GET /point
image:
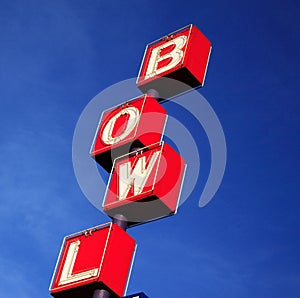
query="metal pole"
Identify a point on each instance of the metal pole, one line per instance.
(101, 294)
(154, 93)
(121, 221)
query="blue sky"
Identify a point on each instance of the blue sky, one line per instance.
(55, 56)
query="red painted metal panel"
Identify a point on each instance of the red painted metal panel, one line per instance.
(98, 257)
(117, 261)
(137, 123)
(145, 186)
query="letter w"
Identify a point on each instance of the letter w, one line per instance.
(136, 177)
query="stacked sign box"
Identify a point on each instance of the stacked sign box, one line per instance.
(145, 184)
(137, 123)
(98, 257)
(182, 56)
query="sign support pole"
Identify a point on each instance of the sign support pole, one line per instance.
(153, 93)
(101, 294)
(121, 221)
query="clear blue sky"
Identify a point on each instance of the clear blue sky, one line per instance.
(55, 56)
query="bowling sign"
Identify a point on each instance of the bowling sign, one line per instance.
(137, 123)
(100, 257)
(182, 56)
(146, 184)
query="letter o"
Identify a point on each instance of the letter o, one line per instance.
(106, 135)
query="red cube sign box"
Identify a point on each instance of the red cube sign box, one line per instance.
(137, 123)
(100, 257)
(145, 185)
(182, 56)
